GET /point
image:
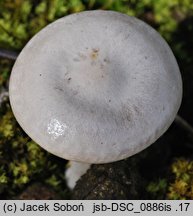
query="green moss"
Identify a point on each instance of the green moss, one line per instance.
(3, 177)
(178, 184)
(157, 189)
(182, 185)
(5, 68)
(6, 127)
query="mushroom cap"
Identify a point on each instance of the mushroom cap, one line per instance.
(95, 87)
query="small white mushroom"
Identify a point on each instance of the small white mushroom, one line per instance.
(96, 87)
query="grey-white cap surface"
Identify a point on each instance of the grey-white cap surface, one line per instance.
(95, 87)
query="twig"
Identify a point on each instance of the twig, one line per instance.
(184, 124)
(8, 54)
(4, 95)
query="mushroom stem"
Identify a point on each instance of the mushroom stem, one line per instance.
(74, 171)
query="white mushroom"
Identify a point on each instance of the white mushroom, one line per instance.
(96, 87)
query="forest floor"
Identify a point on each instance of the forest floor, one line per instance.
(166, 167)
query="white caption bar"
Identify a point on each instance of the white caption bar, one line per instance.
(95, 207)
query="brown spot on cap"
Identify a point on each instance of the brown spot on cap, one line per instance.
(94, 54)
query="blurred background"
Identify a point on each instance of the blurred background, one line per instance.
(26, 170)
